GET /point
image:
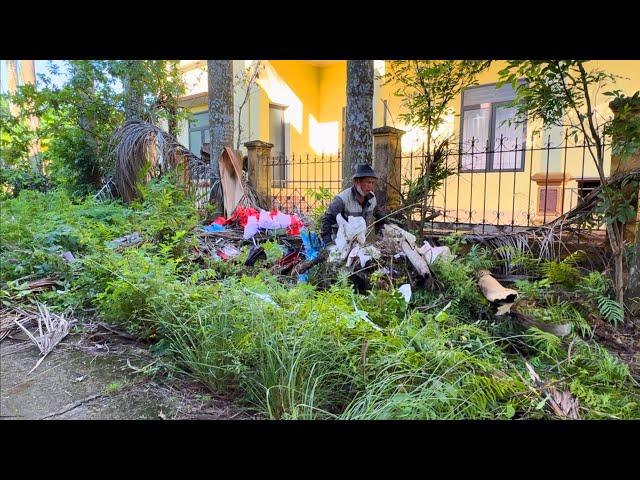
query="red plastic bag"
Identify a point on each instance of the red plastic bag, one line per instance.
(296, 225)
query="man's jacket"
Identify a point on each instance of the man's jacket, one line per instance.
(346, 203)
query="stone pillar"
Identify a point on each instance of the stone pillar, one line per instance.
(258, 155)
(626, 111)
(387, 152)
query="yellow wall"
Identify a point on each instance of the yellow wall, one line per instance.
(315, 95)
(467, 194)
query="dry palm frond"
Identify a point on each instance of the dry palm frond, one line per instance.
(106, 192)
(57, 327)
(562, 404)
(547, 242)
(9, 316)
(142, 151)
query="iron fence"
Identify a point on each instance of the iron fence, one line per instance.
(506, 189)
(302, 183)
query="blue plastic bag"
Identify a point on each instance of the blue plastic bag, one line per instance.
(214, 227)
(312, 244)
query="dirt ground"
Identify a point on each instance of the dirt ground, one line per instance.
(98, 375)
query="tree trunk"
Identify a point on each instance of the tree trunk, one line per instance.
(220, 76)
(133, 99)
(12, 82)
(173, 123)
(358, 143)
(28, 68)
(632, 292)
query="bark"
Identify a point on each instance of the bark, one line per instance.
(220, 76)
(133, 99)
(28, 68)
(358, 144)
(12, 82)
(632, 292)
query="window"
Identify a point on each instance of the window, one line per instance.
(198, 132)
(485, 113)
(278, 137)
(548, 201)
(586, 186)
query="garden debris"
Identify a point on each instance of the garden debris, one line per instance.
(405, 290)
(9, 316)
(42, 284)
(57, 327)
(498, 296)
(68, 257)
(253, 221)
(562, 404)
(126, 241)
(256, 253)
(214, 227)
(230, 165)
(286, 263)
(561, 330)
(263, 296)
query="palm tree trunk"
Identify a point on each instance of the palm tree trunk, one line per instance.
(132, 96)
(28, 68)
(12, 82)
(358, 144)
(220, 76)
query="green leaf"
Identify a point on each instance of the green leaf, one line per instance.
(510, 411)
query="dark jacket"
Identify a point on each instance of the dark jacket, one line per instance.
(347, 204)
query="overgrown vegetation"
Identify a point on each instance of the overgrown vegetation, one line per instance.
(293, 351)
(77, 118)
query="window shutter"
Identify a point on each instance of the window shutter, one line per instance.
(551, 195)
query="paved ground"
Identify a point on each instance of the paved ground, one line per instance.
(98, 376)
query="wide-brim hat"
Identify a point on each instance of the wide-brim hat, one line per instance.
(364, 170)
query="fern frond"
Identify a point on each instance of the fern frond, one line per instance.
(610, 310)
(545, 342)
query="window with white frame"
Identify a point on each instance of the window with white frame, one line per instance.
(198, 132)
(489, 141)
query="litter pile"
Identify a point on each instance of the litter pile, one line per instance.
(253, 221)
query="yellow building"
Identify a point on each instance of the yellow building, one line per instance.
(298, 106)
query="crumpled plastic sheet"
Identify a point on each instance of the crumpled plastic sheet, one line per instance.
(251, 228)
(263, 296)
(273, 220)
(405, 290)
(364, 254)
(350, 232)
(431, 253)
(312, 244)
(214, 227)
(228, 252)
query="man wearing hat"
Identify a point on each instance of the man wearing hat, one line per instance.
(356, 201)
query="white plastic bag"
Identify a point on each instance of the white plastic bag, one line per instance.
(251, 228)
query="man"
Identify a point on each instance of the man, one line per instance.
(356, 201)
